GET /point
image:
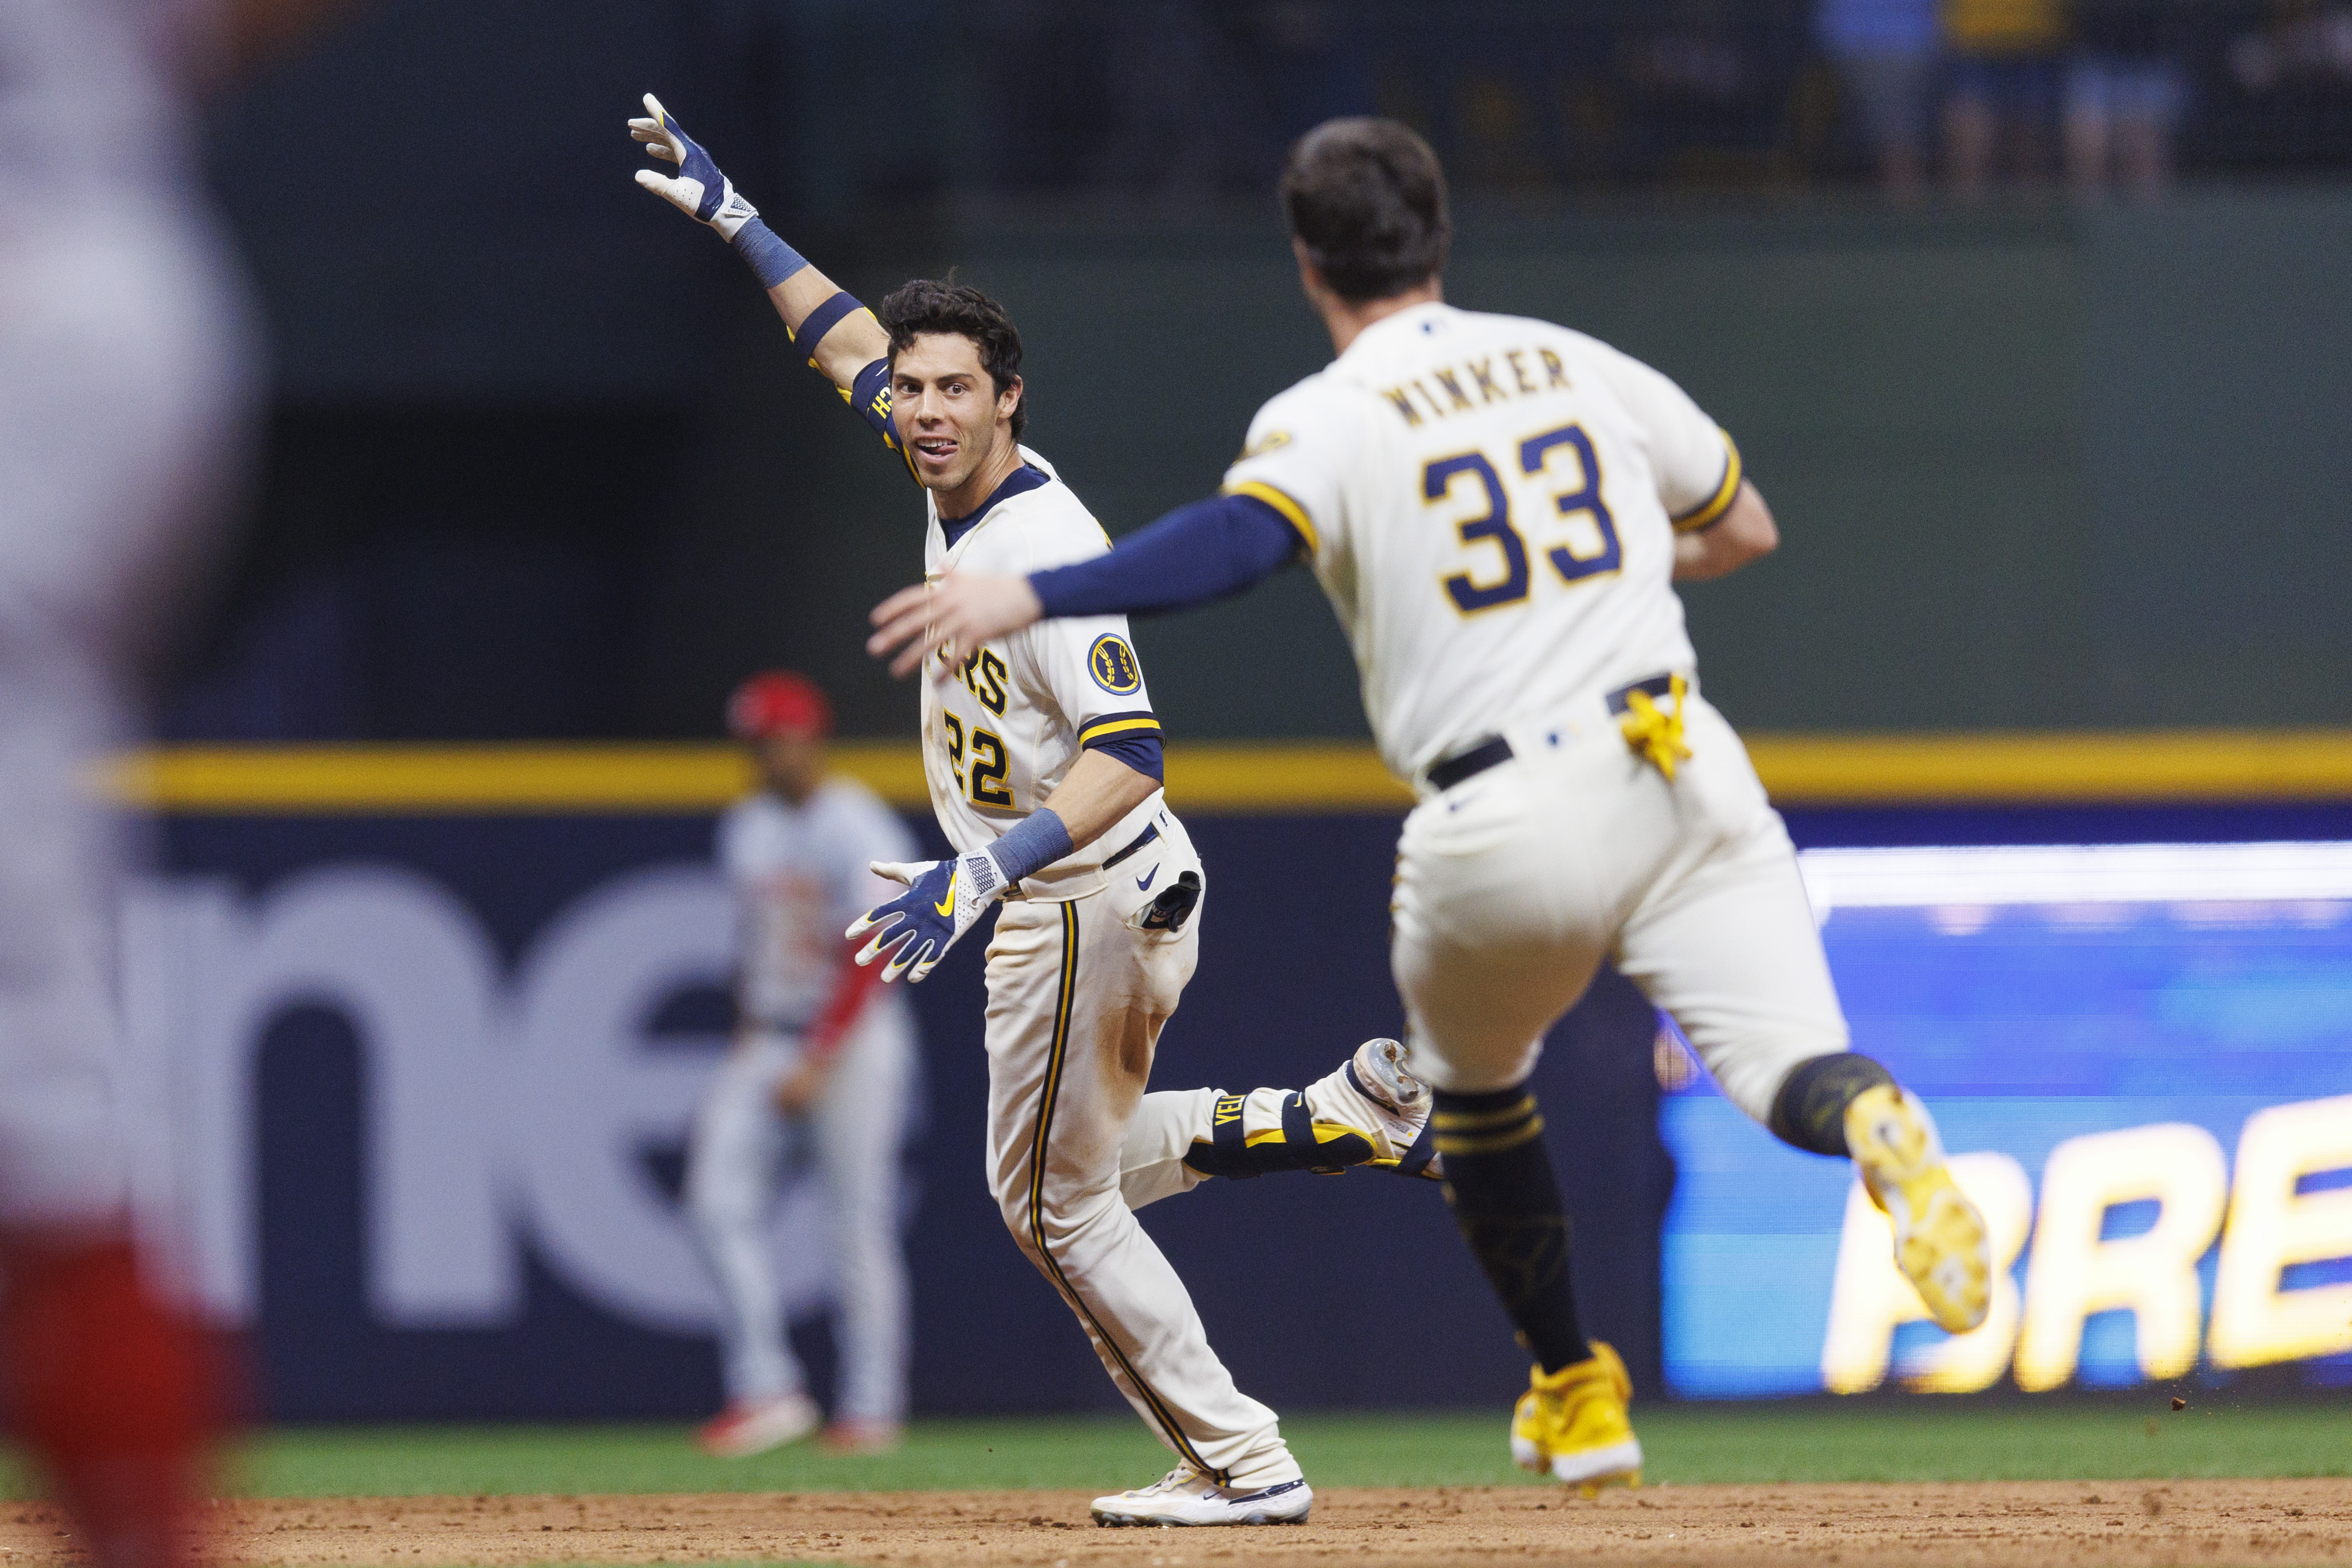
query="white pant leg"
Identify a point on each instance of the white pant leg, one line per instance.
(1514, 886)
(1727, 944)
(122, 387)
(860, 1124)
(732, 1156)
(1151, 1161)
(1509, 891)
(1076, 1000)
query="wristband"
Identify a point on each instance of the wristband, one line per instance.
(824, 317)
(769, 258)
(1035, 843)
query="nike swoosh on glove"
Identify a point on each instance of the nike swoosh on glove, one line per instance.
(943, 900)
(698, 188)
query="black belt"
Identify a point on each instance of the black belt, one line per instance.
(1494, 750)
(1141, 839)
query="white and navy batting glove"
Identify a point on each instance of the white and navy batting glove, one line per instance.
(943, 900)
(698, 188)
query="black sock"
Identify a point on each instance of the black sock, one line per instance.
(1809, 1112)
(1499, 1182)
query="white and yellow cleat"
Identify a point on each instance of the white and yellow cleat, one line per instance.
(1939, 1237)
(1186, 1497)
(1572, 1424)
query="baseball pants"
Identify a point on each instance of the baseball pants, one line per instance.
(1515, 884)
(123, 392)
(855, 1132)
(1076, 996)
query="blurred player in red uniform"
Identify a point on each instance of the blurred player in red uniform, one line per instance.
(125, 382)
(822, 1058)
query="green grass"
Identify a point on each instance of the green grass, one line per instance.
(1686, 1444)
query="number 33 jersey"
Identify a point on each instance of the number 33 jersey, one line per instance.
(1490, 503)
(1003, 724)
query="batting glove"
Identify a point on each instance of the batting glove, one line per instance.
(943, 900)
(698, 189)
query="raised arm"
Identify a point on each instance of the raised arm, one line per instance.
(841, 338)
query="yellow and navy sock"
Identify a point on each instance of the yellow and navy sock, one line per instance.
(1505, 1199)
(1291, 1144)
(1809, 1112)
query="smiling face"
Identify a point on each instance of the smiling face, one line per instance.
(953, 420)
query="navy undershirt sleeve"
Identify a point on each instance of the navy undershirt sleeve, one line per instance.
(1141, 752)
(1209, 551)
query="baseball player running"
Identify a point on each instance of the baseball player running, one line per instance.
(1496, 508)
(820, 1056)
(1042, 758)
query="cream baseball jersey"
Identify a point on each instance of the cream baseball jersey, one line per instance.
(1490, 503)
(1002, 724)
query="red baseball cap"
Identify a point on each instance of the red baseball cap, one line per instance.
(776, 701)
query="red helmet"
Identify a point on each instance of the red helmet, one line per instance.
(775, 701)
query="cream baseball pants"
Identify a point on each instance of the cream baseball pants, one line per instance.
(1514, 885)
(1077, 993)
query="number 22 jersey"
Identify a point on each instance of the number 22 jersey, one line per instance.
(1490, 503)
(1002, 725)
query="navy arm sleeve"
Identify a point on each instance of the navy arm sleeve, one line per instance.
(1209, 551)
(1141, 752)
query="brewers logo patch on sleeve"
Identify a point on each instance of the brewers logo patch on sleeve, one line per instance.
(1114, 665)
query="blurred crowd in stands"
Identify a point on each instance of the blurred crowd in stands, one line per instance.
(1994, 84)
(1178, 97)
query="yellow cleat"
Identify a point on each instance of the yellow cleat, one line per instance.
(1939, 1237)
(1572, 1424)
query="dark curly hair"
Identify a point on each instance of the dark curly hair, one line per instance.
(1367, 198)
(926, 305)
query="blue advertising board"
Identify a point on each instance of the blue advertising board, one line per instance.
(2141, 1056)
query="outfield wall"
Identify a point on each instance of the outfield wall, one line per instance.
(429, 1029)
(2035, 464)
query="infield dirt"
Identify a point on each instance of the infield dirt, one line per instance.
(2030, 1524)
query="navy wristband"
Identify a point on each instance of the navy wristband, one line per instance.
(824, 317)
(1036, 842)
(769, 258)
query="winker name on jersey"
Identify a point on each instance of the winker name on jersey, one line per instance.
(1453, 467)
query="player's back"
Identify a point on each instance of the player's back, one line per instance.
(1492, 502)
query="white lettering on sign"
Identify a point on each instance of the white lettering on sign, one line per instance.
(495, 1113)
(2272, 1227)
(1870, 1299)
(2153, 1275)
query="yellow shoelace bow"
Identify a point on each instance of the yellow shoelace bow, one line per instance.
(1655, 734)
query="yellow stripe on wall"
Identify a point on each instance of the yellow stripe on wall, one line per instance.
(496, 779)
(2179, 765)
(1293, 777)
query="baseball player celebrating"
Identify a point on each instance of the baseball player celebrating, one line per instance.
(1497, 508)
(820, 1056)
(1042, 758)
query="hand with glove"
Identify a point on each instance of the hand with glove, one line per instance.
(700, 191)
(944, 899)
